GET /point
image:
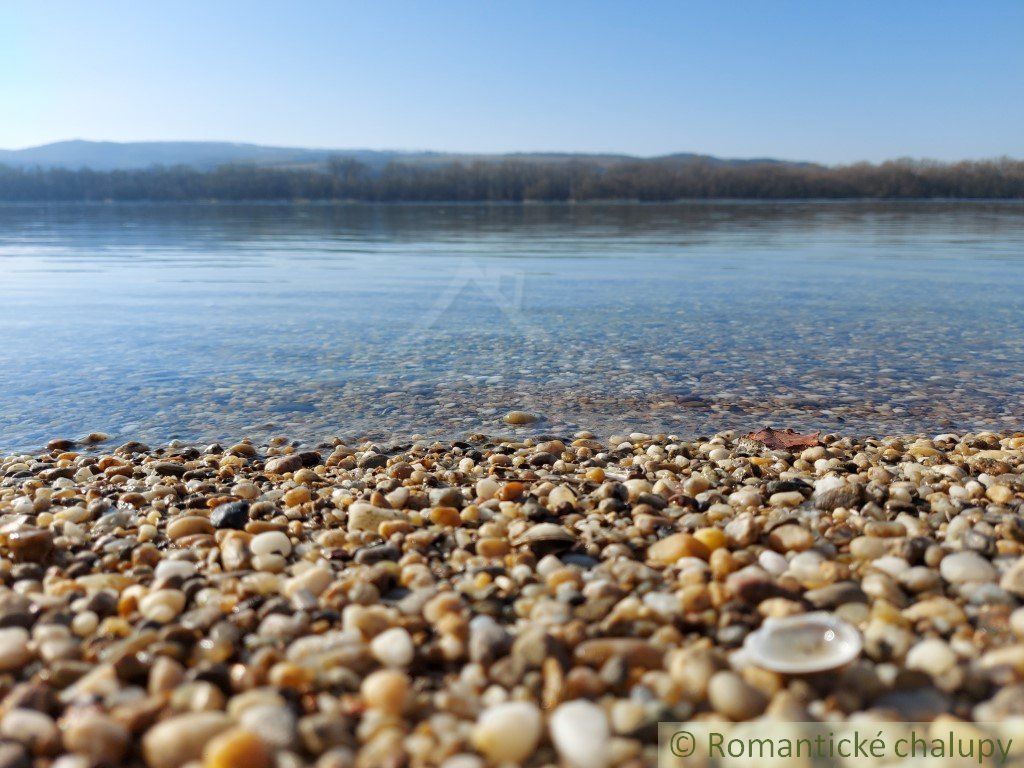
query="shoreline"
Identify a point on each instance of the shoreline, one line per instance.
(453, 602)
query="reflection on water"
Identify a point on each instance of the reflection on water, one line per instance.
(215, 321)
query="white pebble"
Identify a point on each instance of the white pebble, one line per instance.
(579, 730)
(509, 732)
(271, 543)
(393, 648)
(14, 650)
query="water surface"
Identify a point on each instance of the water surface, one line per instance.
(212, 322)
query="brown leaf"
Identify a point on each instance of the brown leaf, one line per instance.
(785, 438)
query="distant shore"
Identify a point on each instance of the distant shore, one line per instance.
(511, 180)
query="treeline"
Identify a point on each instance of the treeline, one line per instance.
(523, 180)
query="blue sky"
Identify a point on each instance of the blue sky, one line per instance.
(816, 80)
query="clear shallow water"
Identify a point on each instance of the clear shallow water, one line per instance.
(212, 322)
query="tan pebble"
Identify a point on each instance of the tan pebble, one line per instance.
(14, 648)
(296, 496)
(519, 418)
(999, 494)
(786, 499)
(163, 605)
(733, 697)
(791, 538)
(97, 736)
(237, 749)
(868, 547)
(35, 730)
(445, 516)
(188, 525)
(492, 547)
(670, 549)
(386, 690)
(510, 491)
(179, 740)
(636, 652)
(712, 538)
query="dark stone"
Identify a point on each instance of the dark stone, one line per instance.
(234, 514)
(377, 554)
(372, 461)
(168, 468)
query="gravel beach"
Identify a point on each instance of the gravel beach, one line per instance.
(542, 600)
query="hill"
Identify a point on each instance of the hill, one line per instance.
(206, 155)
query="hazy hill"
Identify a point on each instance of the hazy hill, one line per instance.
(204, 155)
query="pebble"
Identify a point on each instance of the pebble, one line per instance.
(179, 740)
(163, 605)
(580, 732)
(509, 732)
(35, 730)
(519, 418)
(963, 567)
(672, 548)
(386, 690)
(393, 648)
(233, 515)
(237, 748)
(932, 656)
(96, 736)
(734, 698)
(366, 517)
(271, 543)
(833, 492)
(14, 648)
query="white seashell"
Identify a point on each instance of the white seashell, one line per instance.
(803, 644)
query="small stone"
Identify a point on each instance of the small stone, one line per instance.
(386, 690)
(100, 738)
(519, 418)
(366, 517)
(271, 543)
(833, 492)
(188, 525)
(580, 732)
(964, 567)
(296, 496)
(932, 655)
(163, 605)
(275, 724)
(32, 545)
(791, 538)
(179, 740)
(1013, 580)
(509, 732)
(636, 652)
(672, 548)
(281, 465)
(393, 648)
(999, 494)
(447, 497)
(372, 460)
(561, 496)
(36, 731)
(14, 648)
(60, 444)
(488, 640)
(233, 515)
(730, 695)
(237, 748)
